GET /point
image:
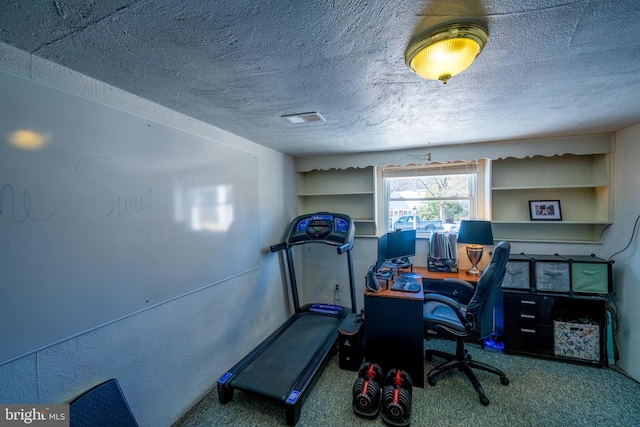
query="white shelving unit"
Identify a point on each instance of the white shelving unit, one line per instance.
(351, 191)
(580, 182)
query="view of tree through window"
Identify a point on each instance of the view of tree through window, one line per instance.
(429, 200)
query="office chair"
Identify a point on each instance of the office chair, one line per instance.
(470, 323)
(101, 406)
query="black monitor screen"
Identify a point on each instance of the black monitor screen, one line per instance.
(382, 251)
(400, 244)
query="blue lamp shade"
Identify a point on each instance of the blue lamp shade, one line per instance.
(475, 232)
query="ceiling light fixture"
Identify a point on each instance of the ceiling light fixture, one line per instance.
(446, 51)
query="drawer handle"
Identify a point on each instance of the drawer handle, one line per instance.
(589, 272)
(529, 331)
(527, 316)
(524, 301)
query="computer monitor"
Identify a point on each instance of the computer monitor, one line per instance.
(382, 251)
(400, 244)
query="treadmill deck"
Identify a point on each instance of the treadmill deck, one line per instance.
(276, 369)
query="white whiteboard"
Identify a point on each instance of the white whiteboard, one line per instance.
(113, 215)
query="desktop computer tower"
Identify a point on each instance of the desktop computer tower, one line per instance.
(351, 343)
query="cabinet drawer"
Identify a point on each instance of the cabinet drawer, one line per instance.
(536, 339)
(528, 309)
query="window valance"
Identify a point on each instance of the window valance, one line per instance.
(588, 144)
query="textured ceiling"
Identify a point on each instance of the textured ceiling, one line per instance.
(550, 67)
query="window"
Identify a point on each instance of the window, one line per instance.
(431, 197)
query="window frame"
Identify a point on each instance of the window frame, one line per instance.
(472, 169)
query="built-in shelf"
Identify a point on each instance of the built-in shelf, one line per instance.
(580, 182)
(351, 191)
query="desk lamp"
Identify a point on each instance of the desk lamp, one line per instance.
(475, 234)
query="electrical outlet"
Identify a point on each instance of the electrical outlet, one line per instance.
(336, 295)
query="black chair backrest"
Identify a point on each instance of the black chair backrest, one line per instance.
(101, 406)
(487, 289)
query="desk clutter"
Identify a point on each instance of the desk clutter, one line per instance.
(373, 392)
(403, 282)
(407, 282)
(443, 253)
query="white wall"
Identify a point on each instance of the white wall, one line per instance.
(318, 281)
(165, 358)
(627, 263)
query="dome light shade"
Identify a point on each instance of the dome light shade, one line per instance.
(446, 51)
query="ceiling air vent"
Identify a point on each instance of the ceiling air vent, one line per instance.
(304, 117)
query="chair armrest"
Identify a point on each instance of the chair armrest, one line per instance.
(453, 304)
(462, 290)
(443, 299)
(461, 283)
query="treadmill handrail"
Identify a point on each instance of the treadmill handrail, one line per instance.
(278, 247)
(344, 248)
(284, 245)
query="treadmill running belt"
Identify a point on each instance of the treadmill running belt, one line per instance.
(275, 370)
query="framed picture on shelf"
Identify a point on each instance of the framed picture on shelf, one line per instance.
(545, 210)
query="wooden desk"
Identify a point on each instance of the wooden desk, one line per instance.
(432, 281)
(394, 331)
(393, 323)
(437, 275)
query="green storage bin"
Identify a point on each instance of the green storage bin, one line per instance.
(590, 275)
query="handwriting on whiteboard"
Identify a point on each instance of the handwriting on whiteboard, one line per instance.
(116, 204)
(148, 242)
(14, 211)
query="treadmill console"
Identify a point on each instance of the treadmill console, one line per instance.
(321, 227)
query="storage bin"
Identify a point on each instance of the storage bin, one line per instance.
(518, 272)
(551, 273)
(590, 275)
(576, 340)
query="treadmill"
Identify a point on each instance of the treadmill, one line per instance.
(286, 364)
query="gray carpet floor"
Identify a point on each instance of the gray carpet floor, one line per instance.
(541, 392)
